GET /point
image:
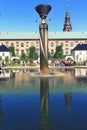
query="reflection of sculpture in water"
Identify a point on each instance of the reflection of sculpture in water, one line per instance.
(44, 95)
(68, 97)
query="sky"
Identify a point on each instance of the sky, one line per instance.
(20, 15)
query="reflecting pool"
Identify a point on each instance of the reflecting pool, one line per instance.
(33, 103)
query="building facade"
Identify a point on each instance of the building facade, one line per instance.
(80, 53)
(23, 40)
(4, 52)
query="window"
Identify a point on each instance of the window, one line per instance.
(7, 44)
(22, 44)
(27, 50)
(17, 44)
(56, 43)
(66, 51)
(17, 52)
(37, 44)
(52, 51)
(52, 44)
(27, 44)
(12, 44)
(66, 44)
(32, 44)
(61, 43)
(71, 44)
(22, 51)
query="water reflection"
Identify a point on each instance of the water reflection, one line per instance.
(44, 107)
(68, 97)
(80, 72)
(43, 103)
(1, 112)
(77, 72)
(44, 97)
(4, 75)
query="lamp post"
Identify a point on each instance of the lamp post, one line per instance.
(43, 10)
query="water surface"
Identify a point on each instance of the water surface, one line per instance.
(33, 103)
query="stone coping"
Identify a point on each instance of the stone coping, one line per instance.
(37, 67)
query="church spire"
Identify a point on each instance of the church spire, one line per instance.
(67, 24)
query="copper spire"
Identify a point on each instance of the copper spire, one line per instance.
(67, 24)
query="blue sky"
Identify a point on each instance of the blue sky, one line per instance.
(20, 15)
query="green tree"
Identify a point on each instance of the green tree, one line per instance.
(23, 56)
(0, 58)
(32, 53)
(7, 60)
(11, 49)
(49, 55)
(59, 52)
(77, 58)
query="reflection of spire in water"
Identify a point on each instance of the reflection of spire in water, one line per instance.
(68, 100)
(44, 95)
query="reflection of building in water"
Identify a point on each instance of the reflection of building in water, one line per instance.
(4, 74)
(68, 97)
(63, 81)
(80, 72)
(44, 95)
(70, 77)
(21, 76)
